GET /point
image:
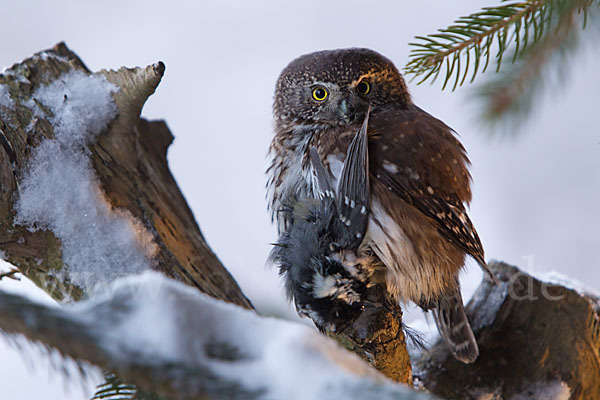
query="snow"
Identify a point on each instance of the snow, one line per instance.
(161, 321)
(5, 102)
(5, 99)
(60, 192)
(16, 73)
(26, 359)
(24, 287)
(487, 299)
(49, 370)
(45, 55)
(556, 278)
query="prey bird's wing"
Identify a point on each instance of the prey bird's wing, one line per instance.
(353, 192)
(320, 176)
(419, 159)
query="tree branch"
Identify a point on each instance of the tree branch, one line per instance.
(536, 339)
(516, 25)
(195, 347)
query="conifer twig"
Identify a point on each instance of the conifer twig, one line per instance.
(472, 39)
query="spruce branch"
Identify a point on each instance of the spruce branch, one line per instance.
(113, 388)
(472, 39)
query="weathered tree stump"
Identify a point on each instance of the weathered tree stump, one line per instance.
(129, 161)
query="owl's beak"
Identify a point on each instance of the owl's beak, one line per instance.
(346, 111)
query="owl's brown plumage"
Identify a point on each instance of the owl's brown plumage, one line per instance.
(420, 184)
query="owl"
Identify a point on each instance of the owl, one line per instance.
(419, 183)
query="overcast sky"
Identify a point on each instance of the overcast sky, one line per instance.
(536, 196)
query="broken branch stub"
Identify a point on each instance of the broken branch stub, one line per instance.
(377, 336)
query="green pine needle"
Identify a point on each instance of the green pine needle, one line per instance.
(114, 389)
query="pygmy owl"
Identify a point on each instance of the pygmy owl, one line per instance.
(419, 182)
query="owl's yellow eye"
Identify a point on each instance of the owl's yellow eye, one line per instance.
(363, 87)
(319, 93)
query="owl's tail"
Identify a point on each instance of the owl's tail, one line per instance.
(454, 327)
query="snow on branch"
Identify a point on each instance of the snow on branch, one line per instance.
(170, 339)
(59, 191)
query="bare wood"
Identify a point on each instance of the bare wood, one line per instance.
(129, 159)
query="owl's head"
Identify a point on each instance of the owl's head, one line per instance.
(336, 87)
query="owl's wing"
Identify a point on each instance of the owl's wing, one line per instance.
(418, 158)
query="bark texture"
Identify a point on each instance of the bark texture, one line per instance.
(377, 336)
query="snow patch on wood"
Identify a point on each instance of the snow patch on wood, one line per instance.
(60, 192)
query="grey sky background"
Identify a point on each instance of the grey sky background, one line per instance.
(536, 196)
